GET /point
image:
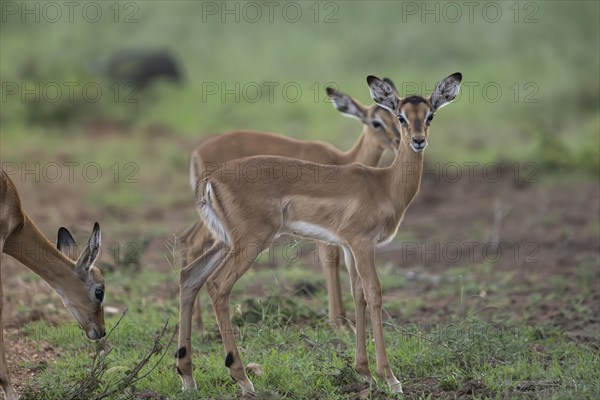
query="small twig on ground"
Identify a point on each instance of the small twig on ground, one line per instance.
(132, 377)
(89, 385)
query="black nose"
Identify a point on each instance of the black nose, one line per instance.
(419, 141)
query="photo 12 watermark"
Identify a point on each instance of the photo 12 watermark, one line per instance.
(270, 171)
(124, 253)
(481, 91)
(93, 12)
(525, 12)
(252, 12)
(71, 171)
(454, 252)
(266, 91)
(72, 92)
(526, 172)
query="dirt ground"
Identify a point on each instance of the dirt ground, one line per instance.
(547, 235)
(544, 239)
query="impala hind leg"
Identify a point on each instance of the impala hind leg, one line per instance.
(197, 240)
(219, 287)
(205, 242)
(191, 279)
(9, 391)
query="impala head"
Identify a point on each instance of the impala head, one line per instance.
(414, 113)
(380, 124)
(85, 293)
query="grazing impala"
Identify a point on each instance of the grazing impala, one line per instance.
(380, 131)
(78, 282)
(360, 209)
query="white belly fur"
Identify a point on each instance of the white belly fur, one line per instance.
(308, 230)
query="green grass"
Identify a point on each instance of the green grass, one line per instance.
(303, 358)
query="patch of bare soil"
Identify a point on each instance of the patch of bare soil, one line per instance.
(538, 240)
(26, 358)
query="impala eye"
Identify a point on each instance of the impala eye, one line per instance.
(401, 119)
(376, 124)
(429, 119)
(99, 294)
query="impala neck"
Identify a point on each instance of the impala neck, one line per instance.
(365, 151)
(405, 178)
(31, 248)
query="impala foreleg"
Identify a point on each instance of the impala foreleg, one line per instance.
(364, 255)
(329, 257)
(361, 364)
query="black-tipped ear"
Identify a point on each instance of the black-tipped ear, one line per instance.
(96, 238)
(66, 243)
(446, 91)
(347, 105)
(96, 227)
(383, 94)
(372, 79)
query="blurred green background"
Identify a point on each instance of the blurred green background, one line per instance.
(531, 72)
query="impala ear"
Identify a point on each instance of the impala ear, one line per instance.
(347, 105)
(66, 243)
(445, 91)
(391, 83)
(90, 253)
(383, 94)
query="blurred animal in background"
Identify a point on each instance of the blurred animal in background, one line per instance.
(88, 93)
(142, 67)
